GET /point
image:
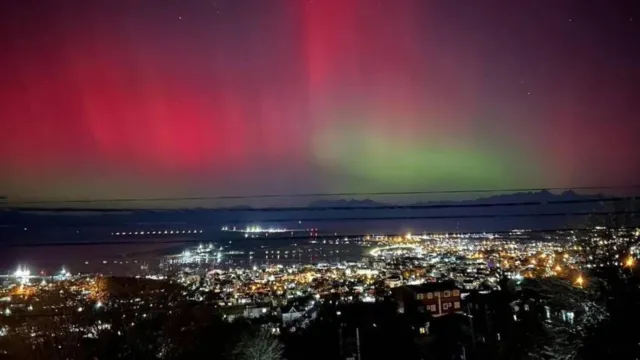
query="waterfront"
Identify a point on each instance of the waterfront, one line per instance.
(126, 259)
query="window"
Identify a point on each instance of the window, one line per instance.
(456, 293)
(437, 293)
(429, 295)
(419, 296)
(433, 308)
(423, 330)
(569, 317)
(445, 306)
(456, 304)
(447, 293)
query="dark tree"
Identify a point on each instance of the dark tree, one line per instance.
(260, 346)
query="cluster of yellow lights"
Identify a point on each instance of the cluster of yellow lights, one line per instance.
(23, 291)
(630, 262)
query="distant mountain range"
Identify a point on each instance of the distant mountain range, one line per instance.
(531, 210)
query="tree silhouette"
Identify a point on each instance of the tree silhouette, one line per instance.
(261, 346)
(563, 339)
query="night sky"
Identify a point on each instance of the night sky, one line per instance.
(123, 98)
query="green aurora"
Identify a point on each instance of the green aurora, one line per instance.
(379, 161)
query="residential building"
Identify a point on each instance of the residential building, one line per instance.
(437, 298)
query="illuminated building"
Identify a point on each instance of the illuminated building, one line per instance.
(438, 298)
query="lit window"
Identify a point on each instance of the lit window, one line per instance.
(419, 296)
(445, 306)
(447, 293)
(433, 308)
(456, 293)
(456, 304)
(437, 293)
(429, 295)
(423, 330)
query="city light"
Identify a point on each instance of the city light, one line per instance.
(475, 262)
(255, 229)
(629, 262)
(22, 275)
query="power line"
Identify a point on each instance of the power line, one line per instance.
(354, 207)
(442, 217)
(394, 207)
(309, 195)
(290, 237)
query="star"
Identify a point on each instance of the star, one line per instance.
(179, 17)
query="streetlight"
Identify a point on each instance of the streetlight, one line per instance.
(630, 263)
